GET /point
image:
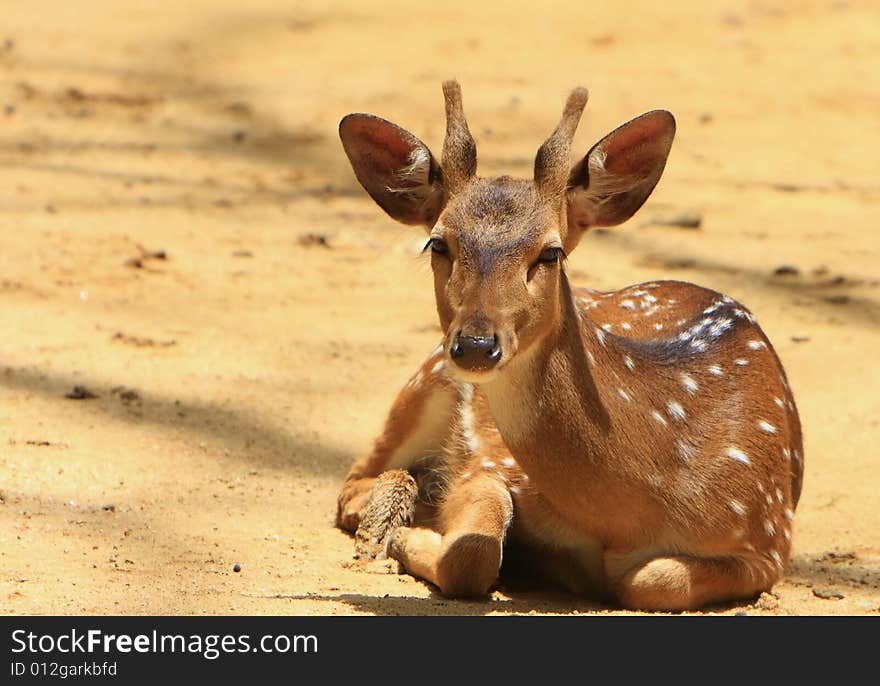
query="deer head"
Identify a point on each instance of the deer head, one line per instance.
(498, 245)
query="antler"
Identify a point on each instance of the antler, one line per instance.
(552, 161)
(459, 148)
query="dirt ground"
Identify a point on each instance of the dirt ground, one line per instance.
(182, 237)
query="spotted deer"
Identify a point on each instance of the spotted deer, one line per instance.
(640, 444)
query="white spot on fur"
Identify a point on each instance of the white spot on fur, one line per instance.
(776, 558)
(769, 528)
(690, 385)
(736, 454)
(756, 345)
(659, 417)
(625, 326)
(627, 360)
(699, 344)
(508, 462)
(779, 403)
(628, 304)
(623, 394)
(703, 324)
(600, 336)
(789, 514)
(738, 507)
(720, 326)
(658, 326)
(675, 411)
(716, 370)
(488, 464)
(766, 426)
(740, 362)
(779, 496)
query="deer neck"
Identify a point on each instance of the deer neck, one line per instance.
(547, 404)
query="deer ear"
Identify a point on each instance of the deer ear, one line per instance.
(395, 168)
(615, 178)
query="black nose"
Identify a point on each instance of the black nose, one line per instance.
(475, 353)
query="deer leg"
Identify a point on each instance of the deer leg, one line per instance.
(416, 427)
(464, 558)
(686, 583)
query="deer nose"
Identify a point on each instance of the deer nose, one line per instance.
(475, 353)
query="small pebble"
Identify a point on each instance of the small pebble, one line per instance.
(312, 239)
(767, 601)
(80, 393)
(686, 219)
(236, 568)
(786, 270)
(827, 594)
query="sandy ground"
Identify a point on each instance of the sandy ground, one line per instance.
(180, 234)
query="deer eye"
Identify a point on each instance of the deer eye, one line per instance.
(437, 245)
(550, 255)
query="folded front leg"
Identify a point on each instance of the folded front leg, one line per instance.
(416, 429)
(464, 557)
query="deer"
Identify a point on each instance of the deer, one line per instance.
(640, 445)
